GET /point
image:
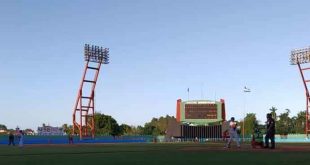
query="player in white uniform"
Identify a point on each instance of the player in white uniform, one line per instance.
(21, 138)
(233, 135)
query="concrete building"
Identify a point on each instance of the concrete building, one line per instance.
(49, 130)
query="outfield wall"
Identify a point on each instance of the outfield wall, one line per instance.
(65, 140)
(291, 138)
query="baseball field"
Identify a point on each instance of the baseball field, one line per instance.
(148, 154)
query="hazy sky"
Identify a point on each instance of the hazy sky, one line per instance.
(158, 49)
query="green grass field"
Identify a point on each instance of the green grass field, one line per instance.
(149, 154)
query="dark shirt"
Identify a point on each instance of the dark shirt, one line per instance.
(271, 126)
(11, 137)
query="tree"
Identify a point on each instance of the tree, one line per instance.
(284, 124)
(273, 112)
(137, 130)
(67, 129)
(300, 122)
(3, 127)
(149, 129)
(106, 125)
(250, 122)
(126, 129)
(157, 126)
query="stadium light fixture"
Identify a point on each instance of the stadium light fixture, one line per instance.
(96, 54)
(300, 56)
(245, 89)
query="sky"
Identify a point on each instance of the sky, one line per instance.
(158, 49)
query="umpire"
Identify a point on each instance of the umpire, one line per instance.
(270, 131)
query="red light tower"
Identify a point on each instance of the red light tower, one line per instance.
(298, 57)
(84, 109)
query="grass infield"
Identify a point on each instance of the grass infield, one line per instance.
(149, 154)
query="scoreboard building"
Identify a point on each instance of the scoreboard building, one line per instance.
(200, 112)
(200, 119)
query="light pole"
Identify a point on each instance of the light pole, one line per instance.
(245, 90)
(187, 94)
(83, 116)
(299, 57)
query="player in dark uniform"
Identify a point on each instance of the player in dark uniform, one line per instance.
(270, 131)
(11, 139)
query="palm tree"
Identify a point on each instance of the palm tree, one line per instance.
(273, 112)
(300, 122)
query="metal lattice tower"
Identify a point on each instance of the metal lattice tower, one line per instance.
(299, 57)
(84, 109)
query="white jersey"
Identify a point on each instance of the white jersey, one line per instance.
(21, 140)
(233, 125)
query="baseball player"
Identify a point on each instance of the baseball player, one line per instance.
(233, 133)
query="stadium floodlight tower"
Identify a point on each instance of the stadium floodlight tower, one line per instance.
(298, 57)
(84, 109)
